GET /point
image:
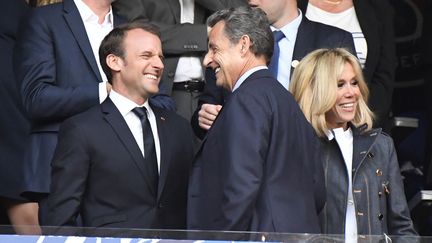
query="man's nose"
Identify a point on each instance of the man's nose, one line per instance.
(208, 58)
(158, 63)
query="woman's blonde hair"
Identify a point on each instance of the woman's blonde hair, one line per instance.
(314, 86)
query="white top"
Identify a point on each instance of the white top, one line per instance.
(125, 106)
(188, 67)
(346, 20)
(246, 75)
(95, 33)
(286, 49)
(345, 142)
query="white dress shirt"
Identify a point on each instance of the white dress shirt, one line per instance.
(125, 106)
(188, 67)
(345, 142)
(286, 47)
(346, 20)
(246, 75)
(95, 33)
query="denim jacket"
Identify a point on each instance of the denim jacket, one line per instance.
(378, 191)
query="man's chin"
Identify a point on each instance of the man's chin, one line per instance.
(153, 91)
(220, 83)
(223, 84)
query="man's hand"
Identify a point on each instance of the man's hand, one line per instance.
(207, 114)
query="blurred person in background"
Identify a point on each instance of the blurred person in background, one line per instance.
(22, 211)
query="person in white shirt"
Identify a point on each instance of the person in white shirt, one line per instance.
(124, 163)
(57, 69)
(365, 194)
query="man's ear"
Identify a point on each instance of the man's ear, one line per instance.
(245, 43)
(114, 62)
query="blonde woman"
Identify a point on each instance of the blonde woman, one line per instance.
(371, 24)
(365, 193)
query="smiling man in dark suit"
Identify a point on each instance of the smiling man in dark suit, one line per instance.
(118, 165)
(57, 68)
(301, 36)
(254, 169)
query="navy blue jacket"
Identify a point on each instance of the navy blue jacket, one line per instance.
(99, 172)
(257, 165)
(14, 127)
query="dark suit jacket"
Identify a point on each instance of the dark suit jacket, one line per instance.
(14, 127)
(59, 77)
(99, 173)
(376, 22)
(254, 171)
(177, 39)
(310, 36)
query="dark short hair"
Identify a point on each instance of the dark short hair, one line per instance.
(113, 42)
(248, 21)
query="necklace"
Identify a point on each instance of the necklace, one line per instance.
(333, 2)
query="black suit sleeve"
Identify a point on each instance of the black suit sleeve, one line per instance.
(70, 167)
(212, 95)
(35, 67)
(381, 79)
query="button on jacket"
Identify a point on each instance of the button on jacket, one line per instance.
(377, 186)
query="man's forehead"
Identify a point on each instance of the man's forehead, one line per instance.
(217, 30)
(141, 40)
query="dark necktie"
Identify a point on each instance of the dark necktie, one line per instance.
(149, 146)
(274, 62)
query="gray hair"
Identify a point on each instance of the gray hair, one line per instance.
(248, 21)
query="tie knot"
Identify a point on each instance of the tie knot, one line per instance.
(141, 112)
(278, 35)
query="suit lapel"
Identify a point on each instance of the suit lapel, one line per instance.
(175, 9)
(199, 14)
(119, 126)
(368, 24)
(118, 20)
(75, 23)
(304, 42)
(165, 153)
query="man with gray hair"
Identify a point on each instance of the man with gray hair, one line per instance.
(253, 171)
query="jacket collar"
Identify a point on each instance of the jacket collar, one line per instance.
(117, 122)
(361, 130)
(362, 143)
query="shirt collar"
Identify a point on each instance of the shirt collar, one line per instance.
(88, 15)
(331, 133)
(290, 30)
(125, 105)
(246, 75)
